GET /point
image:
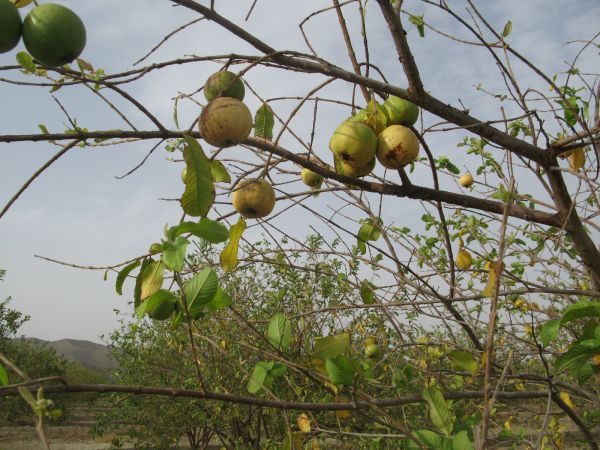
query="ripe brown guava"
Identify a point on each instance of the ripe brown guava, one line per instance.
(254, 198)
(397, 146)
(225, 122)
(354, 143)
(53, 34)
(10, 26)
(224, 84)
(400, 111)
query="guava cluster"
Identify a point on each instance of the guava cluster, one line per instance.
(376, 133)
(53, 34)
(227, 121)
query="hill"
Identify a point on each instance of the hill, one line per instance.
(89, 354)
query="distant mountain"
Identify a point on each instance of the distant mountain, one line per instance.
(89, 354)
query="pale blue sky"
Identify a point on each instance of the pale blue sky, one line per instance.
(78, 212)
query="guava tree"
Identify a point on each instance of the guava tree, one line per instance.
(481, 310)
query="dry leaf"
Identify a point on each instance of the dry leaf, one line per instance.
(304, 423)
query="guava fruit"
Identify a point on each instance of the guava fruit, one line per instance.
(224, 84)
(345, 169)
(397, 146)
(225, 122)
(374, 116)
(400, 111)
(371, 350)
(311, 179)
(354, 143)
(53, 34)
(254, 198)
(466, 180)
(10, 26)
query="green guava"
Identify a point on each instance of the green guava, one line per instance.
(345, 169)
(400, 111)
(374, 116)
(225, 122)
(354, 143)
(254, 198)
(311, 179)
(224, 84)
(397, 146)
(53, 34)
(10, 26)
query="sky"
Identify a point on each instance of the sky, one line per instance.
(78, 212)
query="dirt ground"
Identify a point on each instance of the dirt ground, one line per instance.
(61, 438)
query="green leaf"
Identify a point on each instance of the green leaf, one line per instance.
(200, 290)
(340, 370)
(156, 300)
(260, 378)
(331, 346)
(26, 62)
(207, 229)
(278, 370)
(221, 300)
(263, 122)
(174, 254)
(549, 331)
(579, 310)
(137, 291)
(228, 256)
(199, 193)
(507, 29)
(152, 279)
(219, 172)
(577, 356)
(428, 438)
(366, 292)
(461, 441)
(279, 332)
(122, 275)
(419, 23)
(3, 376)
(84, 65)
(462, 361)
(438, 410)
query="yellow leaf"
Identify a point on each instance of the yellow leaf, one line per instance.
(528, 330)
(463, 259)
(304, 423)
(228, 257)
(565, 397)
(370, 340)
(507, 424)
(596, 360)
(576, 158)
(495, 268)
(520, 386)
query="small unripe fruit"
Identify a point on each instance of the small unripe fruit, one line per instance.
(225, 122)
(311, 179)
(371, 351)
(184, 175)
(254, 198)
(466, 180)
(224, 84)
(397, 146)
